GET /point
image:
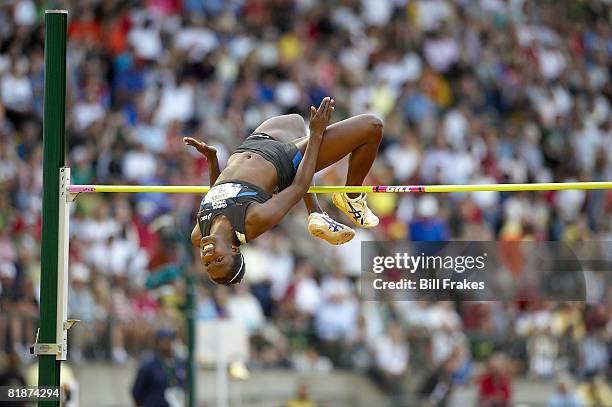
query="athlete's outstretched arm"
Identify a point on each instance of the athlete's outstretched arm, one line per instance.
(211, 156)
(264, 216)
(213, 172)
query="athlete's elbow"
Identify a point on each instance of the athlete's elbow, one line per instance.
(298, 189)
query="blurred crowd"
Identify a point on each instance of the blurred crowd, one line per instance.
(471, 91)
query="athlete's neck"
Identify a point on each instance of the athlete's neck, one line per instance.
(222, 227)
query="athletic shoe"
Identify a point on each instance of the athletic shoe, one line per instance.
(322, 226)
(356, 209)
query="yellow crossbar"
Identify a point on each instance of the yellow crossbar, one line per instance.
(551, 186)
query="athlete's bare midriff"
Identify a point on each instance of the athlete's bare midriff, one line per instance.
(250, 167)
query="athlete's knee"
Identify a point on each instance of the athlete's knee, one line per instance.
(296, 119)
(375, 126)
(297, 124)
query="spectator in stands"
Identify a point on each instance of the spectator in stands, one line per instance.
(82, 306)
(495, 385)
(595, 391)
(438, 387)
(429, 226)
(336, 315)
(565, 395)
(243, 307)
(391, 362)
(161, 378)
(12, 374)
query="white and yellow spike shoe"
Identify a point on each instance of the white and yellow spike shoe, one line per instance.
(322, 226)
(356, 209)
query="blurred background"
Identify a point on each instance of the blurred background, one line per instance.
(470, 91)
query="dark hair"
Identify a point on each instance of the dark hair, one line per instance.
(236, 273)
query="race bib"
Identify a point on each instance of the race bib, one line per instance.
(222, 192)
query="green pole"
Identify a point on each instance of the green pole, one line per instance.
(190, 314)
(53, 160)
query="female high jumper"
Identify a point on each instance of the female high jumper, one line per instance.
(270, 172)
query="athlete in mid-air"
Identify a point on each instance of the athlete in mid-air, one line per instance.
(270, 172)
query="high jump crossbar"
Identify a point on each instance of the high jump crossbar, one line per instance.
(550, 186)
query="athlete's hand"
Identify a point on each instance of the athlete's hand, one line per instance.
(319, 118)
(203, 148)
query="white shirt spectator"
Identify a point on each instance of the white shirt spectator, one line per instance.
(529, 322)
(345, 18)
(177, 103)
(414, 314)
(396, 72)
(432, 12)
(334, 320)
(441, 53)
(442, 314)
(25, 12)
(139, 165)
(569, 202)
(287, 94)
(16, 92)
(350, 253)
(391, 356)
(197, 41)
(279, 267)
(586, 142)
(443, 342)
(257, 263)
(154, 137)
(95, 230)
(307, 295)
(404, 160)
(438, 162)
(337, 286)
(123, 254)
(245, 308)
(455, 128)
(267, 54)
(377, 12)
(87, 113)
(552, 63)
(146, 42)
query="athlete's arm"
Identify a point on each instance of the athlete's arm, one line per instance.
(264, 216)
(211, 156)
(213, 171)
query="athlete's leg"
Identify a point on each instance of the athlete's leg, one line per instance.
(358, 136)
(291, 128)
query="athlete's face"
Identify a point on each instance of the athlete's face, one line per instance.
(216, 256)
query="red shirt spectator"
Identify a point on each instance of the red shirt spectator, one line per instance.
(494, 387)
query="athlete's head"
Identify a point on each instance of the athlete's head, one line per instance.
(222, 259)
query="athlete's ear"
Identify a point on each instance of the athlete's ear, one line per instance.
(235, 250)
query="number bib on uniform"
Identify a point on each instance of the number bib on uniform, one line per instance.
(222, 192)
(232, 200)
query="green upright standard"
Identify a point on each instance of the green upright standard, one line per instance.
(53, 161)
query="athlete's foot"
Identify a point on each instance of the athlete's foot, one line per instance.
(322, 226)
(356, 209)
